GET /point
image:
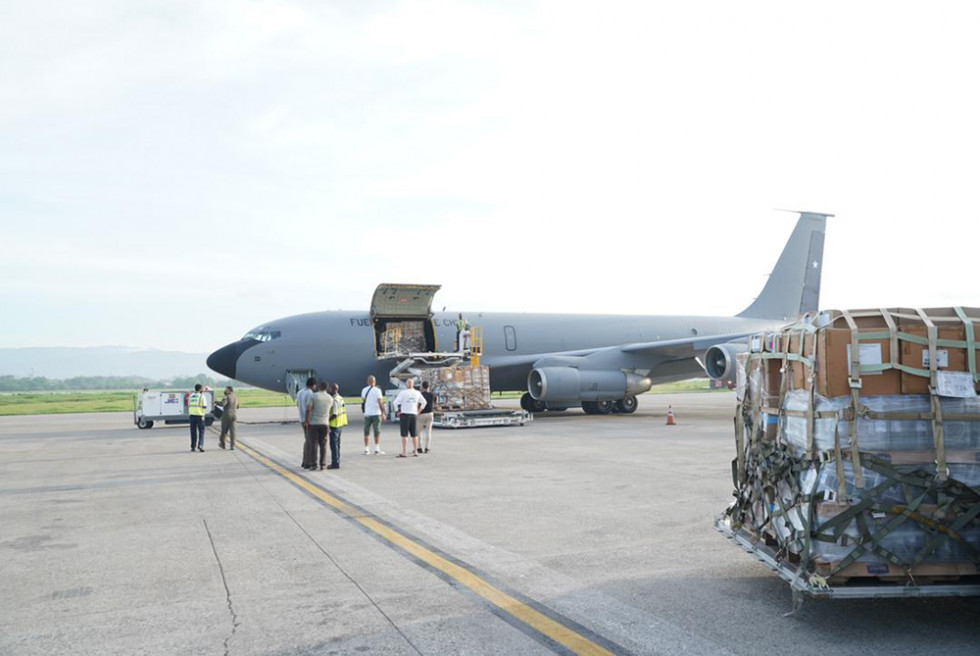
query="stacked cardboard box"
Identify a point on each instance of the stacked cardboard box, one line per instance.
(459, 387)
(858, 443)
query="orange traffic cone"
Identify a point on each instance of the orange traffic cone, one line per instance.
(670, 416)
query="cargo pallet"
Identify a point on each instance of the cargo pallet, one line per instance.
(481, 418)
(814, 586)
(405, 332)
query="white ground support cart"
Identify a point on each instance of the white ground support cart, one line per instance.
(168, 407)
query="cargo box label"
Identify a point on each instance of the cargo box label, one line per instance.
(942, 359)
(958, 384)
(877, 569)
(870, 354)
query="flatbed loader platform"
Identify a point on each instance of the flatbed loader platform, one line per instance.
(481, 418)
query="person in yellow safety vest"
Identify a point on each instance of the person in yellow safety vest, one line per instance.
(337, 421)
(462, 334)
(197, 403)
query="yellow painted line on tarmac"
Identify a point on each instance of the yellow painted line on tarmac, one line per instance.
(538, 621)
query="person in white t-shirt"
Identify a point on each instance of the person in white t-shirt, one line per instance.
(408, 403)
(374, 413)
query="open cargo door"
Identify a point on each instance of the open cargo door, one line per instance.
(402, 317)
(392, 300)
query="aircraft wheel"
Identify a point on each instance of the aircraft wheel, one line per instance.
(527, 401)
(627, 406)
(589, 407)
(603, 407)
(143, 424)
(538, 406)
(551, 408)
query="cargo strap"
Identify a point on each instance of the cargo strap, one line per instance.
(971, 344)
(855, 396)
(916, 487)
(938, 435)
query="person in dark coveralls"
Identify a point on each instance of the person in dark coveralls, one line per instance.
(196, 405)
(338, 419)
(229, 417)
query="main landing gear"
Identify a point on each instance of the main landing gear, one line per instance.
(531, 404)
(625, 406)
(597, 407)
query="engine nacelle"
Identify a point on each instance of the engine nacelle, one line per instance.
(719, 360)
(569, 385)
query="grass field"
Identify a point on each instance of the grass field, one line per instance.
(49, 403)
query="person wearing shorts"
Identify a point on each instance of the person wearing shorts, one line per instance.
(408, 404)
(374, 414)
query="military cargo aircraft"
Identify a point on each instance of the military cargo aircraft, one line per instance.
(597, 362)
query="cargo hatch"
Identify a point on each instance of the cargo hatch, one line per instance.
(402, 319)
(403, 301)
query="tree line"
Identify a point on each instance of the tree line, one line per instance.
(79, 383)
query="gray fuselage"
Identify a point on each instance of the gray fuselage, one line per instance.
(574, 357)
(340, 346)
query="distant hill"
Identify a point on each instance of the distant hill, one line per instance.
(68, 362)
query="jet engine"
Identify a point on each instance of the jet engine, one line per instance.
(719, 360)
(570, 385)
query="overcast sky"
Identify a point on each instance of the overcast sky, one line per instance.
(175, 173)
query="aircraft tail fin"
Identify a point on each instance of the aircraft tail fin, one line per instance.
(793, 287)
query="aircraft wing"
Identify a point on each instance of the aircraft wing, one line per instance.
(654, 352)
(679, 349)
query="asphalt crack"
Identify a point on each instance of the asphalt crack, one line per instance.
(333, 560)
(231, 607)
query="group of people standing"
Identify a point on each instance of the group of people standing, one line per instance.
(323, 413)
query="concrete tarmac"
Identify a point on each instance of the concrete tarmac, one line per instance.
(599, 529)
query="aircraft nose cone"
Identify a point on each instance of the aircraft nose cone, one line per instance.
(225, 360)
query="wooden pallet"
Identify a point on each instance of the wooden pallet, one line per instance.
(935, 584)
(923, 574)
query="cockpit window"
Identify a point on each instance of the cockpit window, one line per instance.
(263, 334)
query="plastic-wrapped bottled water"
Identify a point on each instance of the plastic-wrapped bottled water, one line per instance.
(883, 434)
